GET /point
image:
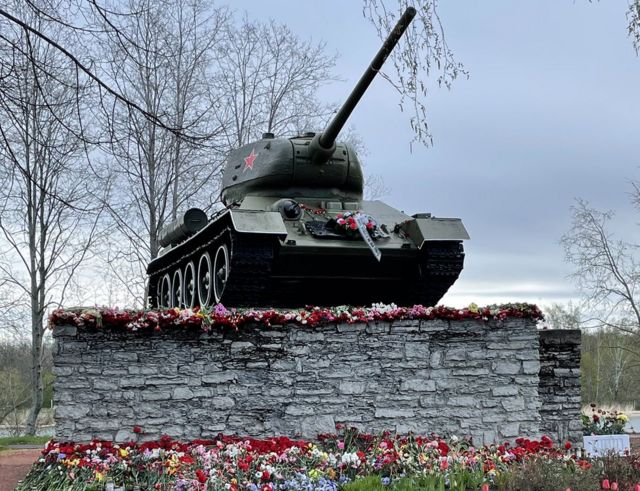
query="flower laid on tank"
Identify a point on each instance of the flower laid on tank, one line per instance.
(330, 463)
(220, 317)
(347, 223)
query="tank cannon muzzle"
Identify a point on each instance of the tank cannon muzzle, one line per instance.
(323, 144)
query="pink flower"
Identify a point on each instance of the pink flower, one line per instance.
(605, 484)
(341, 445)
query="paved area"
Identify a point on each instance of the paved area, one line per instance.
(15, 464)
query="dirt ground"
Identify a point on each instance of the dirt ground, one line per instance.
(14, 465)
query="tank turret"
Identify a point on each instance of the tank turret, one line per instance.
(296, 231)
(270, 167)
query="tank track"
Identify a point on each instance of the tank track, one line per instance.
(440, 266)
(251, 261)
(251, 281)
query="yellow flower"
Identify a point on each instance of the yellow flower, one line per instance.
(473, 307)
(315, 474)
(99, 476)
(623, 417)
(124, 452)
(331, 473)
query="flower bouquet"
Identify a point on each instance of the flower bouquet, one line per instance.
(604, 432)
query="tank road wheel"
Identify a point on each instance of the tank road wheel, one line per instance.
(189, 285)
(205, 276)
(221, 271)
(165, 292)
(176, 289)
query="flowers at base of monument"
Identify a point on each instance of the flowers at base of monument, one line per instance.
(598, 421)
(234, 463)
(221, 317)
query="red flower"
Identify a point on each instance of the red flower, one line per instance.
(605, 484)
(137, 429)
(614, 486)
(265, 475)
(567, 445)
(596, 418)
(443, 447)
(202, 476)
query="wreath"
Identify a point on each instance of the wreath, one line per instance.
(346, 224)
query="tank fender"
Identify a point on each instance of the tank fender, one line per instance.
(258, 222)
(424, 228)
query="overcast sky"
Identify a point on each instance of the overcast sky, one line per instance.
(551, 112)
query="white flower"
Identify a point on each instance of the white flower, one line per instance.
(350, 459)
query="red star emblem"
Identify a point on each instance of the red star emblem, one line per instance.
(249, 159)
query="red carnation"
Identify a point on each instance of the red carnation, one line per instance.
(567, 445)
(265, 475)
(202, 476)
(137, 429)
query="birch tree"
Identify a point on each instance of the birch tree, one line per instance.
(47, 218)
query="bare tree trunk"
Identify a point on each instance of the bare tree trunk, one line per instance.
(36, 369)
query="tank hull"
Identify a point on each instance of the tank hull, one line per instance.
(276, 265)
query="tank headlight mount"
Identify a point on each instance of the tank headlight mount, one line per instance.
(288, 208)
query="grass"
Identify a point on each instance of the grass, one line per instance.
(22, 440)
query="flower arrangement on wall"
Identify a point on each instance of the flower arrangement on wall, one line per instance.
(219, 316)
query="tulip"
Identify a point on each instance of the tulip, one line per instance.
(614, 486)
(485, 487)
(636, 487)
(605, 484)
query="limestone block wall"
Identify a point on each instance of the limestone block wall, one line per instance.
(559, 386)
(462, 377)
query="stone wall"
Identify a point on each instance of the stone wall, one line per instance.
(559, 385)
(462, 377)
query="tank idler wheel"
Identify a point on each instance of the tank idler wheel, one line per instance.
(221, 271)
(189, 285)
(165, 292)
(176, 289)
(204, 280)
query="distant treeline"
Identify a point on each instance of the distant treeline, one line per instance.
(610, 367)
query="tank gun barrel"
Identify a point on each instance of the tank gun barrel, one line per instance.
(323, 143)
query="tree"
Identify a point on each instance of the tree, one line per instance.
(607, 273)
(47, 219)
(563, 317)
(158, 56)
(606, 269)
(265, 80)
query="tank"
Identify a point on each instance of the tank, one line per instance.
(296, 231)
